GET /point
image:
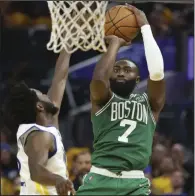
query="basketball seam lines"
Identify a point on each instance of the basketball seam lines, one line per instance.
(117, 22)
(115, 15)
(112, 19)
(121, 33)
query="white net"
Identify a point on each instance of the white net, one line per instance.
(77, 25)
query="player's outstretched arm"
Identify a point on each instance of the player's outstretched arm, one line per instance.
(100, 86)
(156, 82)
(57, 88)
(37, 147)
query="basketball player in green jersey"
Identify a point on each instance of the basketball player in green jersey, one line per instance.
(124, 122)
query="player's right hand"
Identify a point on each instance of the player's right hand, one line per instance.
(64, 187)
(113, 39)
(140, 15)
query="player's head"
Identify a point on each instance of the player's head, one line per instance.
(124, 77)
(23, 105)
(44, 104)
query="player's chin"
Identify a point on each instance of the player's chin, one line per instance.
(83, 172)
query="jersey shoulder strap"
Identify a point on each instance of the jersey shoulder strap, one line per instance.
(133, 95)
(26, 129)
(149, 106)
(105, 106)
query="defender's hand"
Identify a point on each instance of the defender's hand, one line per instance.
(64, 187)
(112, 39)
(140, 15)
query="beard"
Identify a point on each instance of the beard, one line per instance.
(50, 108)
(83, 172)
(122, 89)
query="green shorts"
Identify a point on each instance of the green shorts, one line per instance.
(96, 184)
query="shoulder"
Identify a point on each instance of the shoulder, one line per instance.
(140, 97)
(99, 108)
(25, 130)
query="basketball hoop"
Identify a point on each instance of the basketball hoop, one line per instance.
(77, 25)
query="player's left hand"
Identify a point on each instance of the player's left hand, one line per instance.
(113, 39)
(140, 15)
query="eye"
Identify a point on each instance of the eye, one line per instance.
(127, 71)
(116, 70)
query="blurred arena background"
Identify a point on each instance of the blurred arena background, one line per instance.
(25, 31)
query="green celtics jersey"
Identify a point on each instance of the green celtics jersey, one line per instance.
(123, 134)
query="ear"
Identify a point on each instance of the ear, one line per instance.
(39, 106)
(137, 79)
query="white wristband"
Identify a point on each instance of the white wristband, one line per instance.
(153, 54)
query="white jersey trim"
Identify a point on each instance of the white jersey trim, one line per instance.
(34, 127)
(150, 110)
(23, 128)
(105, 106)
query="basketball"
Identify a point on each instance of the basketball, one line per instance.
(121, 21)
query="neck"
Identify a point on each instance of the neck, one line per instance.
(124, 97)
(44, 120)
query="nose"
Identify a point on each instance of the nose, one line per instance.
(121, 74)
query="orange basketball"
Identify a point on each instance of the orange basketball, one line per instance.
(121, 21)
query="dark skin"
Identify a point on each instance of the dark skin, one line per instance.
(39, 144)
(105, 69)
(156, 89)
(124, 71)
(100, 91)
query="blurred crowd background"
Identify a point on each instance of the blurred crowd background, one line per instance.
(26, 27)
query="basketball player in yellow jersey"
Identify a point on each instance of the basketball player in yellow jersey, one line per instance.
(41, 155)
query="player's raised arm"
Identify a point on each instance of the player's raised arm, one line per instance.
(156, 82)
(100, 86)
(57, 88)
(37, 147)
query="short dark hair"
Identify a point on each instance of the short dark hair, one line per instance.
(19, 106)
(129, 60)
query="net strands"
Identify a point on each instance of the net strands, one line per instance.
(77, 25)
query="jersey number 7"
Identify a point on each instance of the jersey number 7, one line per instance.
(132, 125)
